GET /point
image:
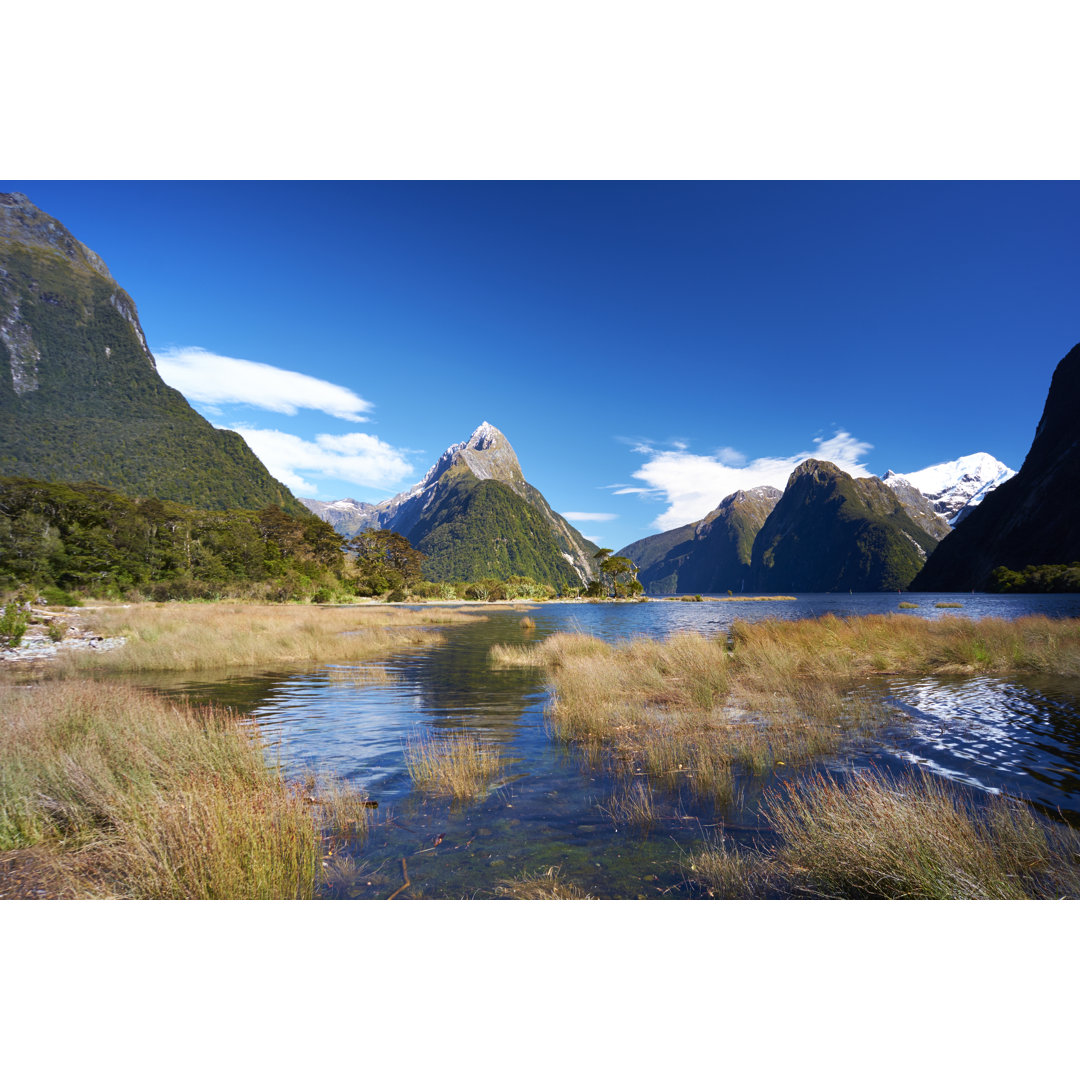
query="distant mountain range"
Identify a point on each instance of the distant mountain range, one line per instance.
(1032, 520)
(826, 531)
(474, 515)
(80, 395)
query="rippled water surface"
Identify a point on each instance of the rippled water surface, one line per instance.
(355, 722)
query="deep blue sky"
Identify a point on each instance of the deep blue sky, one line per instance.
(587, 319)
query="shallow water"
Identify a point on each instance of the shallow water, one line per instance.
(549, 810)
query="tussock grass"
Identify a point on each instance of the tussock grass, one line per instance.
(457, 765)
(541, 886)
(190, 637)
(110, 791)
(367, 675)
(692, 708)
(907, 604)
(918, 838)
(526, 623)
(877, 838)
(728, 872)
(553, 651)
(943, 604)
(633, 807)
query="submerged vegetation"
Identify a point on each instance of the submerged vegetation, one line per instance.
(106, 791)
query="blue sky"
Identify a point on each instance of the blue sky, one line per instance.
(646, 347)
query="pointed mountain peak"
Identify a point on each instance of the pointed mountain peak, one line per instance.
(487, 454)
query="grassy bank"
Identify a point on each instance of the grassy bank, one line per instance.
(110, 792)
(879, 838)
(191, 637)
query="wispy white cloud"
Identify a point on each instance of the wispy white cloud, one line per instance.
(693, 484)
(584, 515)
(209, 379)
(356, 458)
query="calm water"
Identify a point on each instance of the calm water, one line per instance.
(1021, 737)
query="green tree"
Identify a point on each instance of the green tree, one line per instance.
(384, 560)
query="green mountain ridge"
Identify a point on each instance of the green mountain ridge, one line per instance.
(711, 555)
(831, 531)
(80, 395)
(474, 515)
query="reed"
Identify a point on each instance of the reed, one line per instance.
(109, 791)
(190, 637)
(633, 807)
(728, 872)
(917, 838)
(457, 765)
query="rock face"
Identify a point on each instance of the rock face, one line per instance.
(80, 396)
(955, 488)
(1034, 518)
(830, 531)
(711, 555)
(474, 515)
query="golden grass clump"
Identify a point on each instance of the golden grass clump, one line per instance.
(458, 765)
(541, 886)
(110, 791)
(692, 707)
(917, 838)
(190, 637)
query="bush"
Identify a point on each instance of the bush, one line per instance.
(13, 625)
(55, 596)
(397, 596)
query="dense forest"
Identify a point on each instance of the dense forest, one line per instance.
(85, 539)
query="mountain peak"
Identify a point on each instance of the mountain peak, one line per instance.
(21, 222)
(954, 488)
(486, 453)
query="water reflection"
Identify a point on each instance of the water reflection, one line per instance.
(354, 721)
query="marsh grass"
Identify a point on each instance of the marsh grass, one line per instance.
(190, 637)
(458, 765)
(917, 838)
(541, 886)
(907, 604)
(115, 792)
(692, 708)
(728, 872)
(360, 676)
(943, 604)
(633, 806)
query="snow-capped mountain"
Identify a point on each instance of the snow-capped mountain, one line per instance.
(955, 487)
(346, 515)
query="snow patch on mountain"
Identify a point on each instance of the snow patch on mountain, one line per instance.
(954, 487)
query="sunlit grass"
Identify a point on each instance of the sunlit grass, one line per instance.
(458, 765)
(189, 637)
(110, 791)
(691, 708)
(917, 838)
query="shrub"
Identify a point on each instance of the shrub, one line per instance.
(13, 625)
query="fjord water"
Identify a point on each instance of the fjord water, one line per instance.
(1019, 736)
